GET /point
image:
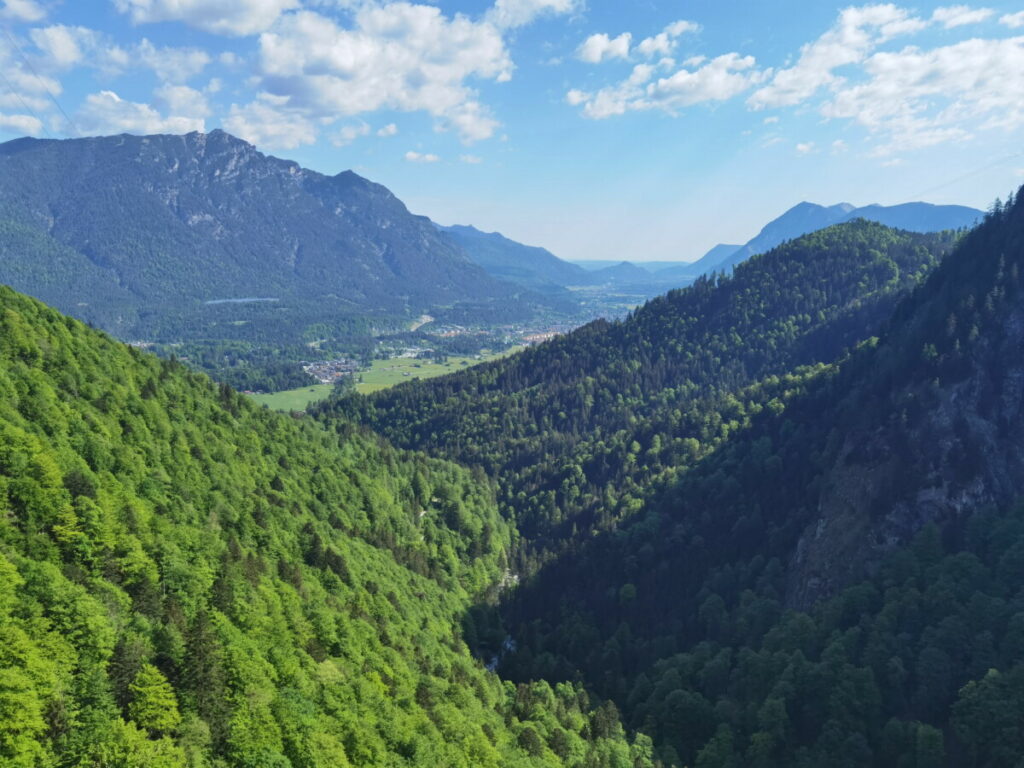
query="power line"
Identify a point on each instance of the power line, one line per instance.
(42, 83)
(24, 105)
(969, 174)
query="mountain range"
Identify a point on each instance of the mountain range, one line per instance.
(138, 233)
(201, 236)
(809, 217)
(536, 267)
(508, 260)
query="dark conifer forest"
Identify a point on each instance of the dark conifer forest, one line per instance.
(773, 517)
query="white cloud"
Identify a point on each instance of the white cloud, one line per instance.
(23, 101)
(175, 65)
(396, 56)
(508, 14)
(471, 159)
(268, 122)
(575, 97)
(349, 133)
(182, 100)
(106, 112)
(23, 124)
(958, 15)
(388, 130)
(222, 17)
(22, 10)
(416, 157)
(805, 148)
(664, 43)
(64, 47)
(1013, 20)
(718, 79)
(916, 98)
(839, 147)
(770, 120)
(853, 37)
(597, 48)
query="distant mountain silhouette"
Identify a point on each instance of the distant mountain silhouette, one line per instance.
(807, 217)
(127, 231)
(508, 260)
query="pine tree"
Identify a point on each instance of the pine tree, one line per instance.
(154, 705)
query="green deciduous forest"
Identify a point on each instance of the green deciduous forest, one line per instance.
(189, 580)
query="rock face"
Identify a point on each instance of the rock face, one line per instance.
(171, 220)
(945, 436)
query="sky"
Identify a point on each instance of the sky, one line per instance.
(599, 129)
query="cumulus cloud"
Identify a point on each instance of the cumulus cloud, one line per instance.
(106, 112)
(805, 148)
(599, 47)
(22, 124)
(958, 15)
(64, 47)
(602, 47)
(508, 14)
(916, 98)
(396, 56)
(716, 79)
(182, 100)
(471, 159)
(175, 65)
(416, 157)
(664, 43)
(269, 122)
(719, 79)
(854, 36)
(388, 130)
(21, 10)
(349, 133)
(1013, 20)
(222, 17)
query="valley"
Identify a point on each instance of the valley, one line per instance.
(498, 509)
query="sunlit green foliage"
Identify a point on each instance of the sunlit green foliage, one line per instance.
(188, 579)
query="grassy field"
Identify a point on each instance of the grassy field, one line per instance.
(294, 399)
(388, 373)
(382, 374)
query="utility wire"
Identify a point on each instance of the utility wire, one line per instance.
(42, 83)
(967, 175)
(24, 105)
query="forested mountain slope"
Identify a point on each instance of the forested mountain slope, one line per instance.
(187, 580)
(577, 430)
(508, 260)
(136, 233)
(841, 583)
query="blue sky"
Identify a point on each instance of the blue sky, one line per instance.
(597, 128)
